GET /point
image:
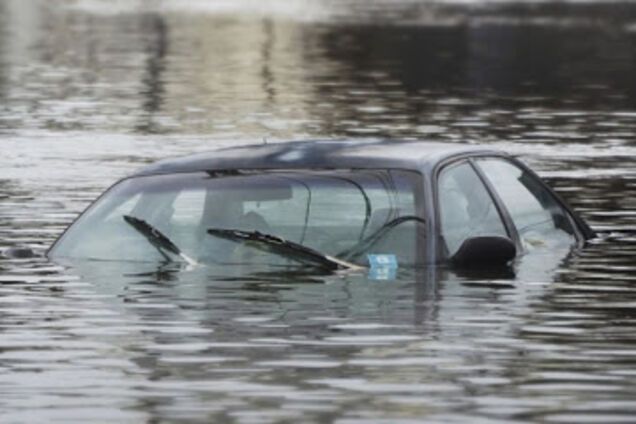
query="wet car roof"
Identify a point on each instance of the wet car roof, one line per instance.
(409, 155)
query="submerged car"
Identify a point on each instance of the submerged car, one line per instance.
(329, 204)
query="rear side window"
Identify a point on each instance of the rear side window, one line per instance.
(539, 218)
(466, 208)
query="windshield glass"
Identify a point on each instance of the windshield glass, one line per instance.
(333, 212)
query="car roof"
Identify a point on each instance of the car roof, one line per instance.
(319, 154)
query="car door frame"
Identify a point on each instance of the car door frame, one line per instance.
(582, 232)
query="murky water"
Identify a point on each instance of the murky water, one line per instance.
(90, 90)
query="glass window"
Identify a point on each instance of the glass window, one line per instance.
(466, 208)
(332, 211)
(539, 218)
(185, 213)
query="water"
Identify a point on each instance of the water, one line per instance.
(90, 90)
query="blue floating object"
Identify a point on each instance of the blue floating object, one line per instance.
(382, 267)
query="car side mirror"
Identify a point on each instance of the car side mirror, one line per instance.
(484, 251)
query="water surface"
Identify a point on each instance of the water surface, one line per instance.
(90, 90)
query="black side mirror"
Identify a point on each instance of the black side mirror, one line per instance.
(484, 251)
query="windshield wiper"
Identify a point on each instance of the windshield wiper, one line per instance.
(160, 241)
(282, 247)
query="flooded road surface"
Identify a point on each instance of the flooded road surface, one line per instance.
(91, 90)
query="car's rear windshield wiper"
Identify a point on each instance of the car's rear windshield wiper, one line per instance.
(160, 241)
(282, 247)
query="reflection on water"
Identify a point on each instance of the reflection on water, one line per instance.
(153, 91)
(90, 90)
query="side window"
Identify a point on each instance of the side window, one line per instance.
(539, 218)
(466, 208)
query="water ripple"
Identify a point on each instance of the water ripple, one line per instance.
(91, 90)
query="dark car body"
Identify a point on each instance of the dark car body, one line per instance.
(442, 171)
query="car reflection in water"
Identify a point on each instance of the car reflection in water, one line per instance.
(217, 323)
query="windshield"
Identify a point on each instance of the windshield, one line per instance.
(336, 213)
